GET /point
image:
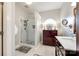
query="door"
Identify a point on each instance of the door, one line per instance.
(1, 29)
(77, 27)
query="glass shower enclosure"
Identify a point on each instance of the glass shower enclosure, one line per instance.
(27, 32)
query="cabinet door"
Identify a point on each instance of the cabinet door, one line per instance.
(46, 33)
(48, 41)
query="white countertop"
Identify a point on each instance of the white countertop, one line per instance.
(68, 43)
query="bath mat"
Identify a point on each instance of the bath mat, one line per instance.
(23, 49)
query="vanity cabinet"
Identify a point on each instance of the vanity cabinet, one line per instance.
(49, 37)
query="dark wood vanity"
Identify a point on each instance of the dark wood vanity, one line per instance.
(49, 37)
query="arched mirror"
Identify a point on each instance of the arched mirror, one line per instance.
(50, 24)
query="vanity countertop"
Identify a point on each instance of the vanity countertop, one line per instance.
(69, 43)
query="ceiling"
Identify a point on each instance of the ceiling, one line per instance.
(24, 6)
(45, 6)
(41, 6)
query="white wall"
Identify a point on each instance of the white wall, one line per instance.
(54, 14)
(66, 12)
(37, 27)
(9, 29)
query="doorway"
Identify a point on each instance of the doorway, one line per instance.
(1, 29)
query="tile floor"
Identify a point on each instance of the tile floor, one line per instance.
(39, 50)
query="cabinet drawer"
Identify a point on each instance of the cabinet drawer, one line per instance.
(49, 41)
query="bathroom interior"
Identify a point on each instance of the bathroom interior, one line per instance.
(32, 20)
